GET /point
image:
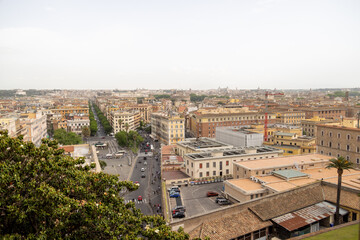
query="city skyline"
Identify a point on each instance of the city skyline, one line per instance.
(172, 45)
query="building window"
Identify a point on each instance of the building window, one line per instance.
(207, 174)
(329, 153)
(348, 158)
(227, 163)
(339, 135)
(322, 133)
(192, 165)
(357, 149)
(358, 160)
(347, 147)
(321, 152)
(200, 165)
(200, 174)
(227, 171)
(330, 144)
(322, 143)
(330, 134)
(214, 164)
(214, 173)
(348, 137)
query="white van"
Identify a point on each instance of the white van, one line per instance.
(143, 169)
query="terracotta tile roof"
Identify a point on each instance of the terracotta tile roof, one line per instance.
(68, 148)
(168, 149)
(349, 199)
(289, 201)
(230, 226)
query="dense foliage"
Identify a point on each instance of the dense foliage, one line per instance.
(67, 138)
(199, 98)
(45, 194)
(160, 96)
(104, 122)
(129, 139)
(85, 131)
(93, 123)
(343, 94)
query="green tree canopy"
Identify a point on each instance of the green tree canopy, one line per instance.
(45, 194)
(85, 131)
(66, 138)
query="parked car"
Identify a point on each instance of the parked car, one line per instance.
(178, 215)
(223, 202)
(174, 194)
(219, 198)
(137, 183)
(143, 175)
(139, 198)
(142, 169)
(176, 188)
(212, 194)
(145, 163)
(144, 158)
(179, 209)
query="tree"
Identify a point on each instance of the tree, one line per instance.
(45, 194)
(122, 138)
(127, 127)
(85, 132)
(66, 138)
(120, 123)
(340, 164)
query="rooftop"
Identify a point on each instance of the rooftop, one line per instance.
(233, 152)
(202, 143)
(284, 161)
(287, 174)
(246, 184)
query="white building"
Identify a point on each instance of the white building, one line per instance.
(238, 137)
(77, 124)
(35, 125)
(124, 120)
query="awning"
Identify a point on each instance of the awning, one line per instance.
(306, 216)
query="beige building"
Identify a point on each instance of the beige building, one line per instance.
(167, 128)
(35, 125)
(219, 163)
(309, 125)
(264, 167)
(291, 117)
(9, 123)
(203, 122)
(124, 120)
(335, 141)
(77, 124)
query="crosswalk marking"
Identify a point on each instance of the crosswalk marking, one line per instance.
(136, 201)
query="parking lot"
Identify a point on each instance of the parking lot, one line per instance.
(195, 200)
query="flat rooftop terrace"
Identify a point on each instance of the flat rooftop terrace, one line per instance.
(202, 143)
(233, 152)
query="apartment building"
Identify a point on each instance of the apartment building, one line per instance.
(35, 125)
(145, 110)
(327, 113)
(168, 128)
(291, 117)
(65, 111)
(219, 163)
(292, 144)
(9, 123)
(309, 125)
(336, 140)
(203, 122)
(124, 120)
(77, 123)
(273, 128)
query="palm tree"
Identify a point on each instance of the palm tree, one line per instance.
(340, 164)
(127, 127)
(120, 123)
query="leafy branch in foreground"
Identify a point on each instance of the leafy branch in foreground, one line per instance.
(46, 194)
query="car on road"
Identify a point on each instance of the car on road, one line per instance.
(144, 158)
(145, 163)
(179, 209)
(212, 194)
(137, 183)
(178, 215)
(139, 198)
(143, 175)
(174, 194)
(174, 188)
(142, 169)
(103, 138)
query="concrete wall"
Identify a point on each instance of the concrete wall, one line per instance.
(237, 138)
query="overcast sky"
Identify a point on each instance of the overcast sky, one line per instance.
(196, 44)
